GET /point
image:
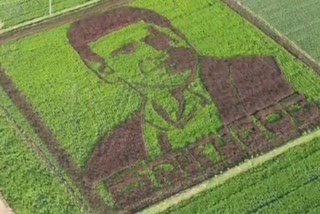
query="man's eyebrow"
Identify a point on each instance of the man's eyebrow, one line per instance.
(157, 39)
(125, 49)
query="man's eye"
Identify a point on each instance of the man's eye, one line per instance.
(126, 49)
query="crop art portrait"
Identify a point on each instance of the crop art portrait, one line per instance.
(116, 108)
(198, 115)
(142, 50)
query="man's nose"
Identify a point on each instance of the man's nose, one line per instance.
(151, 64)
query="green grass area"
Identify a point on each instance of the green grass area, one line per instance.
(25, 181)
(13, 12)
(79, 108)
(295, 108)
(298, 20)
(289, 183)
(273, 118)
(105, 194)
(72, 101)
(212, 153)
(164, 167)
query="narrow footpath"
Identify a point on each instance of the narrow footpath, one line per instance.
(4, 208)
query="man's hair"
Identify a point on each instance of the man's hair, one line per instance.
(86, 31)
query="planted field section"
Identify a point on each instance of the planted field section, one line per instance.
(13, 12)
(129, 101)
(289, 183)
(297, 20)
(27, 185)
(64, 107)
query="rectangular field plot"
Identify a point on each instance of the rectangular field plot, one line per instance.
(13, 12)
(289, 182)
(26, 182)
(145, 100)
(297, 20)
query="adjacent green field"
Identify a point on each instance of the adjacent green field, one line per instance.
(13, 12)
(80, 109)
(298, 20)
(25, 181)
(288, 184)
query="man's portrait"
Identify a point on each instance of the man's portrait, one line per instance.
(177, 86)
(129, 106)
(156, 62)
(126, 104)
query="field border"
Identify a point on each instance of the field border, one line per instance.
(57, 19)
(276, 35)
(4, 205)
(61, 18)
(231, 173)
(3, 201)
(53, 15)
(49, 163)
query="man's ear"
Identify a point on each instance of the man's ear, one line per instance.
(108, 71)
(95, 67)
(108, 74)
(101, 70)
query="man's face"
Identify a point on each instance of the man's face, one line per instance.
(147, 56)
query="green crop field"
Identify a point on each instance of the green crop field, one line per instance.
(13, 12)
(288, 184)
(297, 20)
(25, 179)
(83, 115)
(61, 88)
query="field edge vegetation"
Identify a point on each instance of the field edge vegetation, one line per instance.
(173, 202)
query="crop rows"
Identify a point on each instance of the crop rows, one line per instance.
(127, 129)
(26, 181)
(61, 88)
(71, 98)
(298, 20)
(13, 12)
(287, 183)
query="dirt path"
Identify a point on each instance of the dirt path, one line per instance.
(46, 24)
(4, 207)
(235, 171)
